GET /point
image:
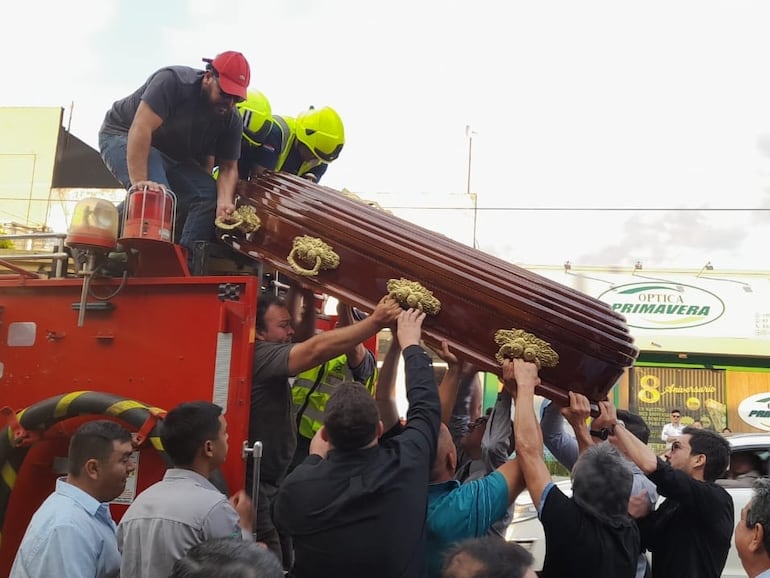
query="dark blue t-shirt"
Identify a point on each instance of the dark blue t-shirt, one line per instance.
(190, 130)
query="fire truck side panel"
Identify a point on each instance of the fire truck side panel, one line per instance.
(158, 342)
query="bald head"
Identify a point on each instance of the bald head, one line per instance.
(463, 565)
(488, 557)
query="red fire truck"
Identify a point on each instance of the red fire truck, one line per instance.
(89, 345)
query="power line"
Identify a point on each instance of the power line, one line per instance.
(604, 209)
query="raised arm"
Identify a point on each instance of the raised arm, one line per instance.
(226, 182)
(514, 478)
(324, 346)
(496, 441)
(301, 306)
(447, 389)
(357, 353)
(521, 378)
(423, 417)
(385, 394)
(634, 448)
(576, 414)
(562, 445)
(146, 122)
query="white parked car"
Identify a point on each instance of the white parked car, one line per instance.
(525, 528)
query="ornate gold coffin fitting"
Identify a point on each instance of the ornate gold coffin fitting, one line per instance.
(479, 293)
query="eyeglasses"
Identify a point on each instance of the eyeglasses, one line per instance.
(225, 95)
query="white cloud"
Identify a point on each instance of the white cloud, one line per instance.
(52, 50)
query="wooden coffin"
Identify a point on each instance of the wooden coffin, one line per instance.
(479, 293)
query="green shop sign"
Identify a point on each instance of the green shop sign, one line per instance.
(664, 305)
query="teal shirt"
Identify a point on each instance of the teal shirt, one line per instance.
(459, 511)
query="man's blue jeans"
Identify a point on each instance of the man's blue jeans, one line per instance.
(195, 189)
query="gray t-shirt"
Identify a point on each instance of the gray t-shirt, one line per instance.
(272, 416)
(190, 130)
(169, 518)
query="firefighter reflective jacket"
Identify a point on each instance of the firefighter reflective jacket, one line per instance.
(286, 126)
(312, 389)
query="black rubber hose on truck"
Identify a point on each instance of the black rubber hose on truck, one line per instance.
(41, 416)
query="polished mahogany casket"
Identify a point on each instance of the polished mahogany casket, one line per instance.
(479, 294)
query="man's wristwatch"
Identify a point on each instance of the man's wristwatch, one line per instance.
(604, 433)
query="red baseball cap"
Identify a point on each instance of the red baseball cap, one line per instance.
(233, 72)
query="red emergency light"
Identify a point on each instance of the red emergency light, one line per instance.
(149, 214)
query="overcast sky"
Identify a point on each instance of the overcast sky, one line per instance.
(574, 104)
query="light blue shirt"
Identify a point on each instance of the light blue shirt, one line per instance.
(456, 512)
(765, 574)
(72, 534)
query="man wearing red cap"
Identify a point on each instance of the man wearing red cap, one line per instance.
(161, 135)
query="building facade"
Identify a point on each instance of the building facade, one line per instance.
(703, 336)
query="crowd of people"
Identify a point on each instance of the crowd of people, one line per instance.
(365, 472)
(442, 478)
(348, 487)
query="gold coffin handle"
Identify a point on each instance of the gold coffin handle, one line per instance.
(517, 343)
(308, 249)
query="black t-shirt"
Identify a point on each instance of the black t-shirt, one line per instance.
(271, 418)
(577, 544)
(689, 534)
(362, 513)
(190, 131)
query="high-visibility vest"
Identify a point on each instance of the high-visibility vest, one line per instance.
(288, 136)
(312, 389)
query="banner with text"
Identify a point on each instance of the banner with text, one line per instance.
(699, 394)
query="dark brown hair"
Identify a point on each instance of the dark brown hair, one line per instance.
(351, 417)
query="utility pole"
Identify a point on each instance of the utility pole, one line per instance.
(469, 134)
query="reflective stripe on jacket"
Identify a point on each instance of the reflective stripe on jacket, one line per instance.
(312, 389)
(288, 136)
